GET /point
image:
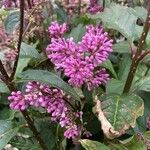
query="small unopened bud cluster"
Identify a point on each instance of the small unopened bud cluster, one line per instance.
(80, 61)
(10, 55)
(94, 7)
(55, 103)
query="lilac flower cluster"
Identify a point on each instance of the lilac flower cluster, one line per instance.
(80, 61)
(54, 101)
(94, 7)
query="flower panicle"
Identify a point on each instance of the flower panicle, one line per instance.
(51, 99)
(79, 60)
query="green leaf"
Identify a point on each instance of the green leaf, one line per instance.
(77, 32)
(141, 13)
(3, 88)
(12, 21)
(93, 145)
(147, 135)
(48, 78)
(107, 2)
(3, 12)
(141, 123)
(47, 132)
(138, 33)
(61, 14)
(123, 22)
(4, 98)
(122, 111)
(143, 84)
(114, 86)
(124, 67)
(134, 143)
(114, 146)
(122, 47)
(108, 65)
(141, 71)
(28, 51)
(23, 143)
(22, 63)
(6, 113)
(7, 131)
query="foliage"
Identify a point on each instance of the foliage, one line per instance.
(67, 74)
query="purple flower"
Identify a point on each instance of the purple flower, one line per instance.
(78, 70)
(99, 77)
(72, 132)
(10, 55)
(18, 101)
(87, 133)
(7, 3)
(79, 61)
(94, 7)
(35, 94)
(59, 112)
(53, 100)
(96, 45)
(60, 50)
(57, 30)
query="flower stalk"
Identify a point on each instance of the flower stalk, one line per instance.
(22, 5)
(138, 55)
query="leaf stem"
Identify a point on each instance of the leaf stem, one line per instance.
(4, 77)
(79, 7)
(22, 5)
(4, 73)
(103, 4)
(34, 130)
(136, 59)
